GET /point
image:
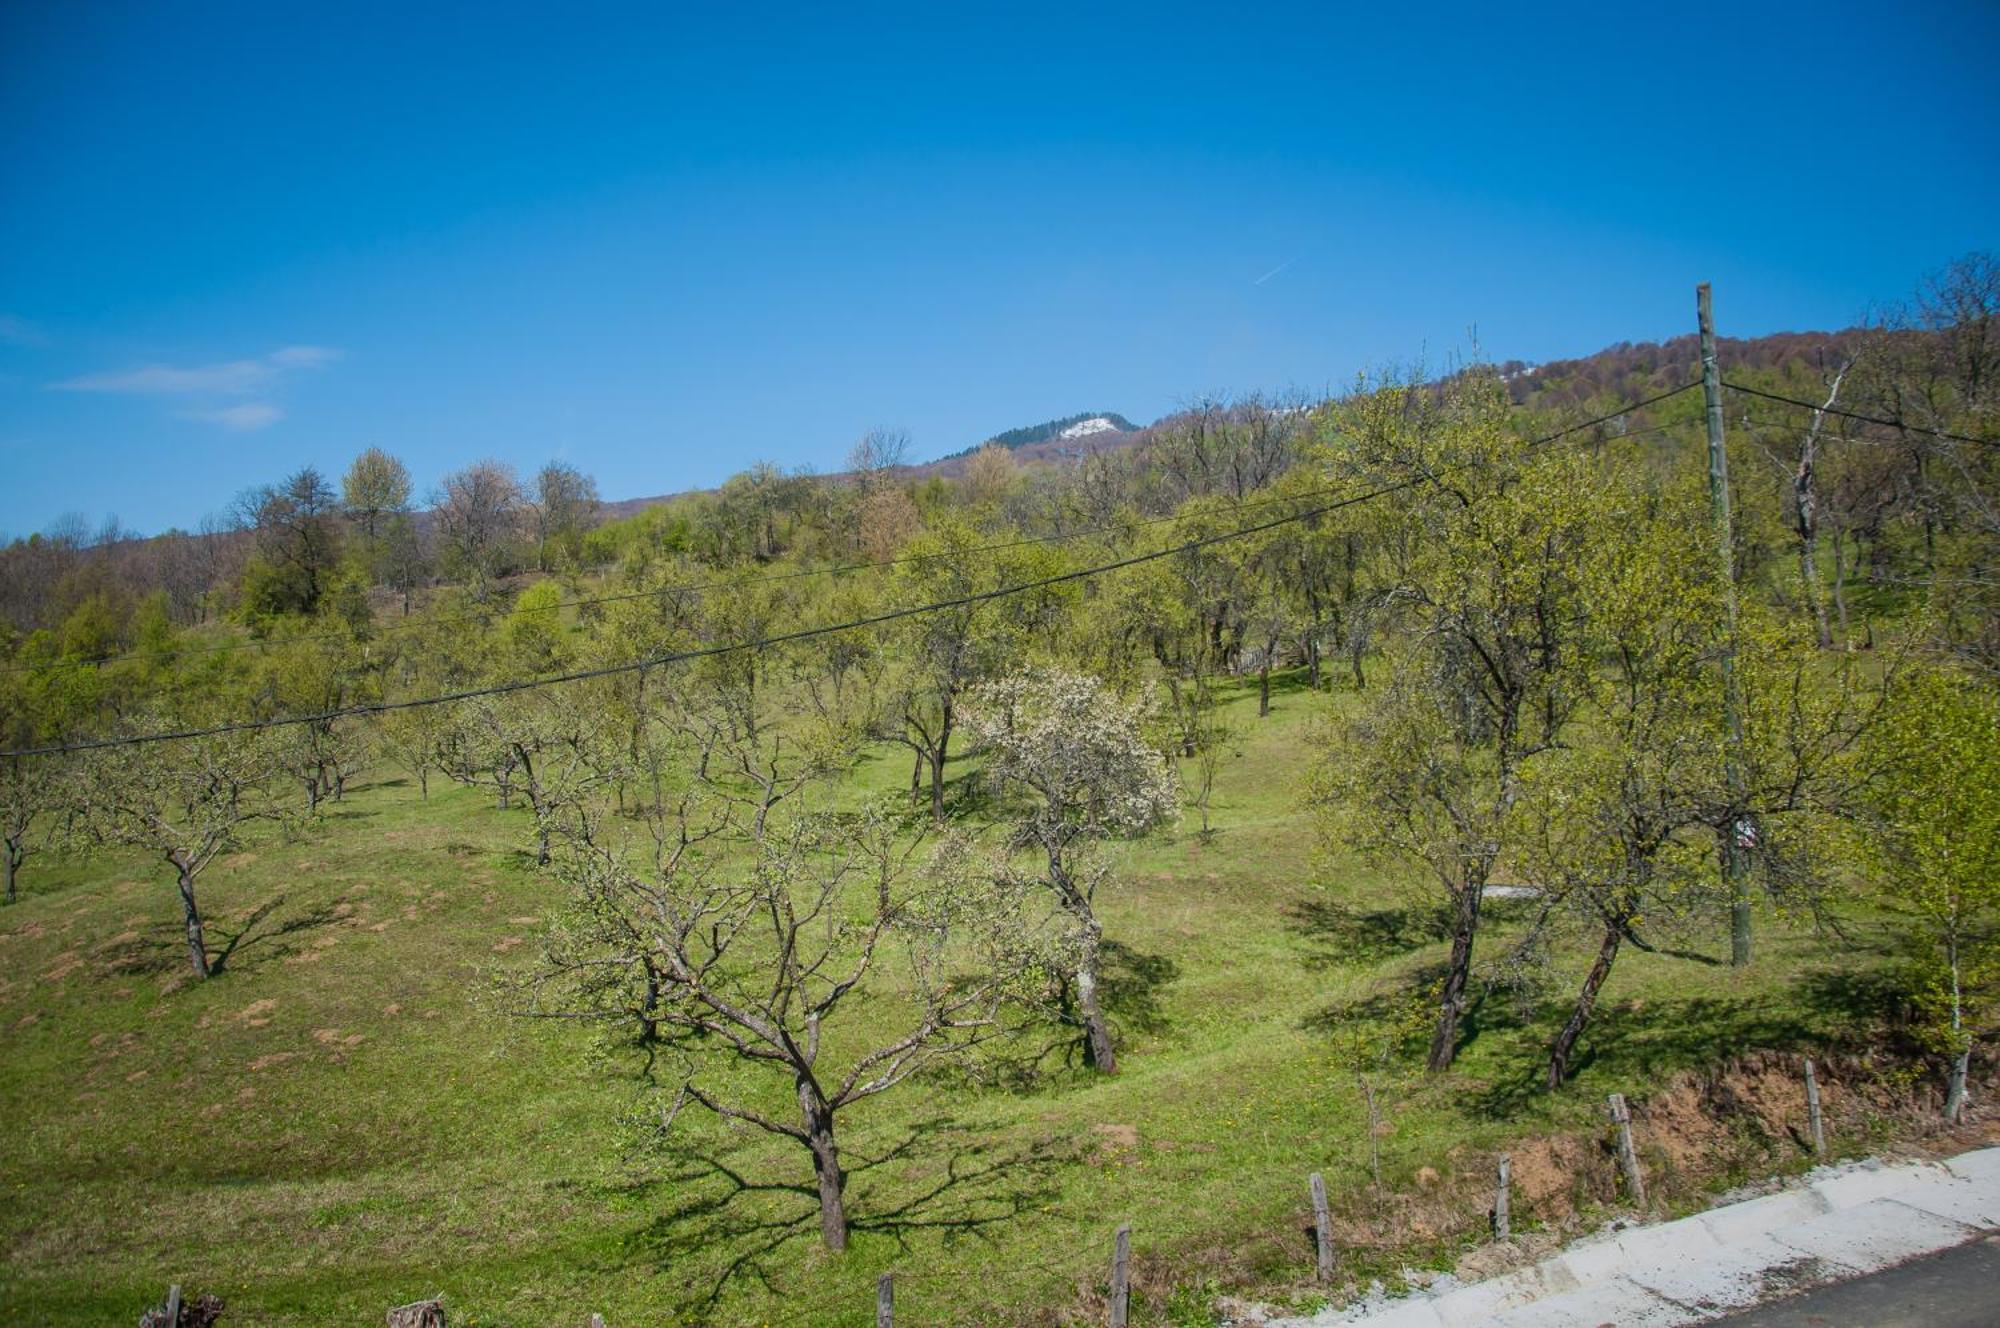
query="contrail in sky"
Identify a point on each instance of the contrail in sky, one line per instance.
(1275, 271)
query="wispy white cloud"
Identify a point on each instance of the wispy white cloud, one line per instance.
(250, 382)
(243, 418)
(231, 379)
(18, 331)
(304, 357)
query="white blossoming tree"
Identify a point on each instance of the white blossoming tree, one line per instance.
(1069, 758)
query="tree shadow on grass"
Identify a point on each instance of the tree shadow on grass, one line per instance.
(1828, 1009)
(1130, 981)
(163, 948)
(1285, 684)
(272, 941)
(1385, 1002)
(1345, 934)
(937, 1178)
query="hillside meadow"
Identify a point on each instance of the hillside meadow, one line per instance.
(351, 1115)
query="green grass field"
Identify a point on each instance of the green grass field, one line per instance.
(347, 1117)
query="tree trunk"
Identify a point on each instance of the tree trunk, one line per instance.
(1097, 1037)
(1586, 1001)
(1806, 498)
(1271, 642)
(1954, 1098)
(1451, 1001)
(938, 756)
(1809, 573)
(10, 863)
(1840, 580)
(196, 940)
(826, 1165)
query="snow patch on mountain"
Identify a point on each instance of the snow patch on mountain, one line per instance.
(1085, 428)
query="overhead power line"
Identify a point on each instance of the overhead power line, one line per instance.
(788, 638)
(718, 583)
(655, 593)
(1864, 419)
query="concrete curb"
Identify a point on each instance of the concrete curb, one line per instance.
(1842, 1222)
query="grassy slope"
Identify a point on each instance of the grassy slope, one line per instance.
(343, 1121)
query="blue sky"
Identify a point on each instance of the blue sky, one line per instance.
(664, 242)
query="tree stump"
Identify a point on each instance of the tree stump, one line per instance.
(418, 1314)
(201, 1312)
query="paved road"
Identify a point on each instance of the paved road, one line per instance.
(1955, 1288)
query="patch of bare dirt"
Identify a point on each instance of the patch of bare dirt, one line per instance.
(66, 963)
(1555, 1174)
(1114, 1142)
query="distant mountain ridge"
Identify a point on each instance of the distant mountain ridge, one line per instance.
(1085, 424)
(1626, 369)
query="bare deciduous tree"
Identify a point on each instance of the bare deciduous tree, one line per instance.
(565, 507)
(32, 794)
(725, 938)
(296, 524)
(478, 515)
(188, 801)
(876, 457)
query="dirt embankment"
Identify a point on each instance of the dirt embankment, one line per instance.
(1740, 1125)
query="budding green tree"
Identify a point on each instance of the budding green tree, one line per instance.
(1933, 837)
(1484, 555)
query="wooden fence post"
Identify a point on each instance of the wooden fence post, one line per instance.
(1121, 1276)
(1815, 1122)
(1502, 1212)
(174, 1306)
(1627, 1154)
(597, 1321)
(885, 1301)
(1322, 1226)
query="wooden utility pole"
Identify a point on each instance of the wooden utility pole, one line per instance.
(1734, 866)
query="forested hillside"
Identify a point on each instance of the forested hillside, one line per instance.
(199, 570)
(690, 916)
